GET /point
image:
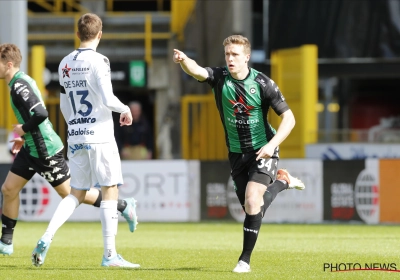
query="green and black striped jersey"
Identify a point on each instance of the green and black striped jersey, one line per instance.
(243, 106)
(41, 141)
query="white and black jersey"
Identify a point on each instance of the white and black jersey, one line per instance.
(87, 99)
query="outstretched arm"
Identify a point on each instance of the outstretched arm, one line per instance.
(190, 66)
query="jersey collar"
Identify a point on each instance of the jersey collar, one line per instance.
(248, 75)
(84, 49)
(16, 76)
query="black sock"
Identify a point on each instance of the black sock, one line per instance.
(7, 229)
(98, 200)
(120, 206)
(271, 193)
(251, 228)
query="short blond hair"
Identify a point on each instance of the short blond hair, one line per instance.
(10, 53)
(89, 25)
(239, 40)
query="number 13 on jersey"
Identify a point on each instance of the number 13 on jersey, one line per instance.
(82, 100)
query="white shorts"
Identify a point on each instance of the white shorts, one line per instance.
(96, 165)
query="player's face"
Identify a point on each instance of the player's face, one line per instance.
(236, 59)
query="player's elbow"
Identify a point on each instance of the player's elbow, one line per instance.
(45, 115)
(40, 113)
(199, 73)
(41, 118)
(293, 122)
(108, 103)
(289, 119)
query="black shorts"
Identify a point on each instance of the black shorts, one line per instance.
(54, 169)
(245, 168)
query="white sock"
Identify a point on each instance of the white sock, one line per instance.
(63, 212)
(109, 224)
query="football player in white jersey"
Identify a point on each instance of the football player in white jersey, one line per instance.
(87, 102)
(38, 149)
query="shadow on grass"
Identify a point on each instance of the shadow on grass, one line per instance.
(206, 269)
(30, 268)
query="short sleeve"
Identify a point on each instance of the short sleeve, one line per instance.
(214, 74)
(272, 94)
(103, 69)
(24, 94)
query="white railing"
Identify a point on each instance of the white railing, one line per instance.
(373, 135)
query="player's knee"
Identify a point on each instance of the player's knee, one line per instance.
(63, 190)
(252, 200)
(252, 205)
(79, 195)
(62, 194)
(9, 191)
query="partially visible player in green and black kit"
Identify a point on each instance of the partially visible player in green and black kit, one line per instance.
(39, 148)
(243, 97)
(41, 141)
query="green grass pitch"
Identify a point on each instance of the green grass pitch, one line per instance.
(206, 251)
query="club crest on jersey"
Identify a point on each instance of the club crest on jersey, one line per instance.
(65, 71)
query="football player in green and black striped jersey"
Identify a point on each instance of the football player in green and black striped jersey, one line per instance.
(39, 148)
(243, 97)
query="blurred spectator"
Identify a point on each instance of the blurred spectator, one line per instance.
(136, 141)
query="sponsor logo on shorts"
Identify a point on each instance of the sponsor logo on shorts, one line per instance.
(78, 147)
(60, 176)
(56, 169)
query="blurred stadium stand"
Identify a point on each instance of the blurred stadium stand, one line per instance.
(358, 53)
(132, 29)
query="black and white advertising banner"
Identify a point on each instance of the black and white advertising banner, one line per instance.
(216, 195)
(219, 199)
(166, 191)
(351, 190)
(295, 206)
